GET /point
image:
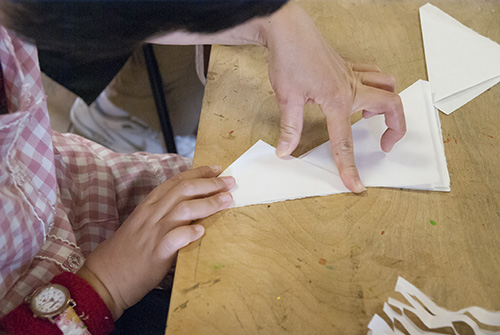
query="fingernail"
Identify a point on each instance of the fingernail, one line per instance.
(358, 186)
(216, 168)
(387, 147)
(230, 181)
(199, 228)
(225, 197)
(282, 149)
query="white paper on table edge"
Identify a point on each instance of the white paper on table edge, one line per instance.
(487, 71)
(450, 104)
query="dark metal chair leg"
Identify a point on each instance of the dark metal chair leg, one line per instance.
(159, 96)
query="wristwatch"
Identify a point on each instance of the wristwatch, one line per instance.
(53, 302)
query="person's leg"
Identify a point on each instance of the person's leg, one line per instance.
(147, 317)
(131, 92)
(124, 116)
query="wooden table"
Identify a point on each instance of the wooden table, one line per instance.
(325, 265)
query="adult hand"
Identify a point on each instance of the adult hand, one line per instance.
(303, 69)
(125, 267)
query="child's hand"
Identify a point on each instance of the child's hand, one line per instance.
(125, 267)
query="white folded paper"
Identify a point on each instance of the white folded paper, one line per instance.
(417, 161)
(262, 177)
(461, 64)
(430, 314)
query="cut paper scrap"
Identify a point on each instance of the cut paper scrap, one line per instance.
(262, 177)
(430, 314)
(461, 64)
(417, 161)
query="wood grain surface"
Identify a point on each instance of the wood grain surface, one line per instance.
(325, 265)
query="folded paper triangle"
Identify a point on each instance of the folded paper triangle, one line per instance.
(416, 162)
(461, 64)
(262, 177)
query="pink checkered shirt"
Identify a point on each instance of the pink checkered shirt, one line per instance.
(60, 194)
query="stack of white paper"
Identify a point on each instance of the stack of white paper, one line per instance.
(417, 161)
(461, 64)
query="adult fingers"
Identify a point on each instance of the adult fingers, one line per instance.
(339, 130)
(290, 127)
(360, 67)
(376, 101)
(177, 239)
(378, 80)
(367, 114)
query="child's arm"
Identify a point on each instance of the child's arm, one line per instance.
(125, 267)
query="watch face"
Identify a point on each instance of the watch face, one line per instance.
(50, 300)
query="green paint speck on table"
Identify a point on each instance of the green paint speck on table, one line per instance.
(433, 222)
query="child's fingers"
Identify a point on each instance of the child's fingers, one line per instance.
(186, 190)
(197, 188)
(200, 172)
(177, 239)
(190, 210)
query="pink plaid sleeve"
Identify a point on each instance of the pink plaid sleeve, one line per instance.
(112, 186)
(60, 194)
(27, 173)
(98, 189)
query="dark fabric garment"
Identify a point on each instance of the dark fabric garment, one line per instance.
(3, 95)
(147, 317)
(105, 29)
(87, 79)
(84, 52)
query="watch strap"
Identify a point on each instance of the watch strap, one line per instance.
(89, 306)
(70, 323)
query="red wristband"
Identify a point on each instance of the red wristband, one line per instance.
(89, 306)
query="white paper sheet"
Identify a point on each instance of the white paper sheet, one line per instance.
(417, 161)
(461, 64)
(262, 177)
(431, 315)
